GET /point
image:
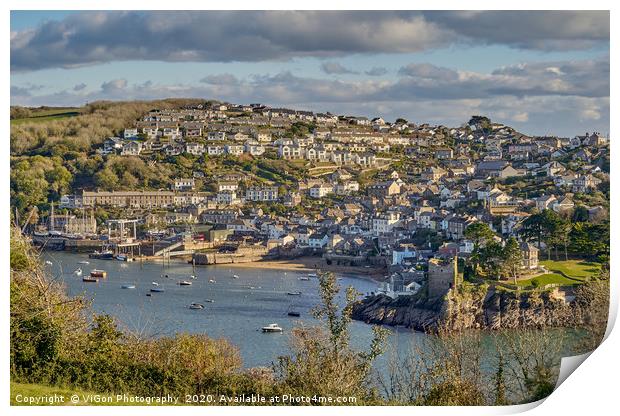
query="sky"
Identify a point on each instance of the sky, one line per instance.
(542, 72)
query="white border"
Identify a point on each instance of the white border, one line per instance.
(590, 390)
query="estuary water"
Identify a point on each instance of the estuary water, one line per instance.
(235, 308)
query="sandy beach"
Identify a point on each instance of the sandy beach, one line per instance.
(311, 264)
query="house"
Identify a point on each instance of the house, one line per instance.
(130, 133)
(265, 193)
(433, 173)
(184, 184)
(174, 149)
(382, 189)
(585, 183)
(216, 135)
(254, 149)
(234, 149)
(318, 240)
(385, 222)
(112, 145)
(320, 190)
(564, 204)
(545, 202)
(492, 168)
(131, 149)
(444, 153)
(194, 148)
(530, 255)
(291, 199)
(227, 186)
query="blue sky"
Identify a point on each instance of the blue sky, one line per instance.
(512, 66)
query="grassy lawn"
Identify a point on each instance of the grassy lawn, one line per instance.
(20, 391)
(578, 269)
(546, 279)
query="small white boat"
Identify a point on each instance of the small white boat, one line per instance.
(234, 276)
(78, 272)
(294, 293)
(185, 283)
(312, 275)
(209, 301)
(272, 328)
(304, 278)
(193, 277)
(49, 263)
(84, 262)
(211, 281)
(196, 306)
(128, 286)
(155, 283)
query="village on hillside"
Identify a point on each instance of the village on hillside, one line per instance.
(403, 201)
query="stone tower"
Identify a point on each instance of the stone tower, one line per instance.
(442, 276)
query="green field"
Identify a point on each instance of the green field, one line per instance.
(577, 269)
(48, 114)
(549, 278)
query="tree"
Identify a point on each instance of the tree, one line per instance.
(481, 234)
(323, 362)
(513, 258)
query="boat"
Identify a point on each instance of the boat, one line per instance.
(148, 294)
(196, 306)
(211, 281)
(234, 276)
(84, 262)
(157, 289)
(304, 278)
(122, 257)
(102, 255)
(185, 283)
(98, 273)
(293, 313)
(128, 286)
(294, 293)
(49, 263)
(155, 283)
(209, 300)
(90, 279)
(272, 328)
(193, 277)
(312, 275)
(78, 272)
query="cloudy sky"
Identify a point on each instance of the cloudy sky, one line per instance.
(542, 72)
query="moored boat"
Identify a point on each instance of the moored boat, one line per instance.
(157, 289)
(90, 279)
(78, 272)
(83, 262)
(294, 313)
(98, 273)
(102, 255)
(128, 286)
(195, 305)
(185, 283)
(294, 293)
(272, 328)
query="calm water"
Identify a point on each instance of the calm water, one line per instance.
(240, 308)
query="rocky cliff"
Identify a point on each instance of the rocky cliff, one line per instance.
(468, 307)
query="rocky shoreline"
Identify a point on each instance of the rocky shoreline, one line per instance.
(478, 307)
